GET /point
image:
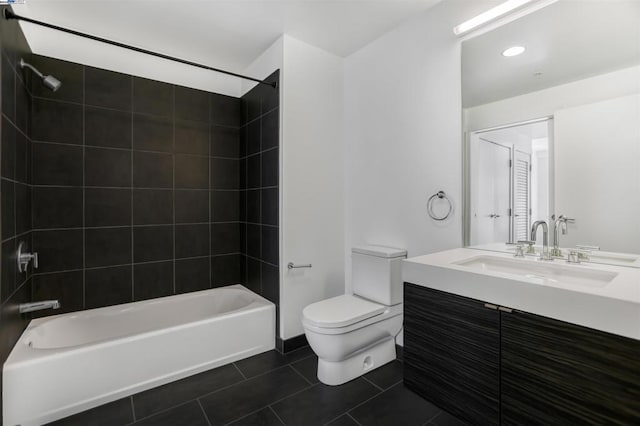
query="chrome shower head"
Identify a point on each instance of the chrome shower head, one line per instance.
(51, 82)
(48, 80)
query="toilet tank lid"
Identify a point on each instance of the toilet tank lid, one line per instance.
(380, 251)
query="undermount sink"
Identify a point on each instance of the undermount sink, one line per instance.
(540, 272)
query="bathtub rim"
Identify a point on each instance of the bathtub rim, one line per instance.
(174, 371)
(22, 354)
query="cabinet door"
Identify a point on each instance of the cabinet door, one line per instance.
(559, 373)
(451, 353)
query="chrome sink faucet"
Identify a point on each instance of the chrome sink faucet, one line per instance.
(559, 224)
(545, 238)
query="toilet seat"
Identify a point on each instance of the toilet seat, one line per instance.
(345, 313)
(340, 311)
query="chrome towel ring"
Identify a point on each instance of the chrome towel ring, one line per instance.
(440, 195)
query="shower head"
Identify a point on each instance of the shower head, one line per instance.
(48, 80)
(51, 82)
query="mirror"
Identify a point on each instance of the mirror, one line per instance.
(553, 134)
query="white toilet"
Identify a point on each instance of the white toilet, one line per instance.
(354, 334)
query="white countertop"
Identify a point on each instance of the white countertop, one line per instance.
(614, 308)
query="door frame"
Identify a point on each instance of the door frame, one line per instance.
(468, 136)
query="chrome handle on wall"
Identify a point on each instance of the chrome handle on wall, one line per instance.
(291, 265)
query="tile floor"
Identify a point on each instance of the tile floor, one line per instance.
(271, 389)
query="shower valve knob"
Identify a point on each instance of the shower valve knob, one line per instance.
(25, 258)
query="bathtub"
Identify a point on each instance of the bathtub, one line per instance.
(69, 363)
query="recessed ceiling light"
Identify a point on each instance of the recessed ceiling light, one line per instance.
(513, 51)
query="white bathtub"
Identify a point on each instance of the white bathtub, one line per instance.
(69, 363)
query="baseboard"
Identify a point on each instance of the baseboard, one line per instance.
(288, 345)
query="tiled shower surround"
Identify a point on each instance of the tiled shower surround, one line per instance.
(15, 198)
(130, 189)
(136, 188)
(259, 195)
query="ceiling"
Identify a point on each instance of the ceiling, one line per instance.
(529, 131)
(227, 34)
(566, 41)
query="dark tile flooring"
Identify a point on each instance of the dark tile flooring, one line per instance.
(271, 389)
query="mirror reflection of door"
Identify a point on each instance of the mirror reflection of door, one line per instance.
(491, 199)
(509, 181)
(521, 195)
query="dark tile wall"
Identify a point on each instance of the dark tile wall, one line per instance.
(136, 188)
(129, 188)
(15, 189)
(259, 196)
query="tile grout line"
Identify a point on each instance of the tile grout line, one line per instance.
(364, 402)
(133, 408)
(259, 121)
(84, 189)
(226, 388)
(119, 265)
(78, 228)
(145, 151)
(352, 418)
(300, 374)
(435, 416)
(380, 388)
(269, 405)
(203, 412)
(210, 176)
(276, 414)
(164, 410)
(239, 371)
(131, 190)
(242, 381)
(173, 189)
(156, 188)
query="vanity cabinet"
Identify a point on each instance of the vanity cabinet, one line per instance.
(452, 353)
(554, 372)
(489, 366)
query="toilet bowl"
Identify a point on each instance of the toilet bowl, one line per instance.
(355, 334)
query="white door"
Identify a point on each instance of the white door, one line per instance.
(491, 195)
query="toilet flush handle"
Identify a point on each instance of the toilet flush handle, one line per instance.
(291, 265)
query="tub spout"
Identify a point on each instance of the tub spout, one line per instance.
(37, 306)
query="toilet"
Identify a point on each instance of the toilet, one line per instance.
(355, 334)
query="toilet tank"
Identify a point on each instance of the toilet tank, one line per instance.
(377, 273)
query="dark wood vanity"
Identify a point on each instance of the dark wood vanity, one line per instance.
(489, 364)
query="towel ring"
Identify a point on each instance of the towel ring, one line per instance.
(439, 195)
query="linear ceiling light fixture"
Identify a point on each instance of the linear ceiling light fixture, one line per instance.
(490, 15)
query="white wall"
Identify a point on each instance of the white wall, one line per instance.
(403, 133)
(597, 170)
(311, 174)
(312, 180)
(545, 102)
(263, 66)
